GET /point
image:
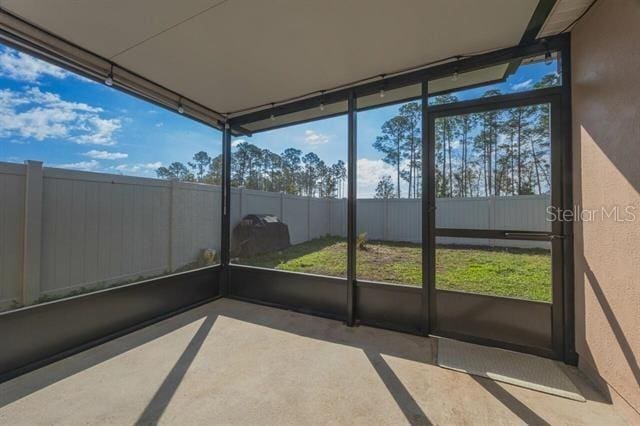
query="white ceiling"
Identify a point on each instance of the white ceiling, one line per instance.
(236, 54)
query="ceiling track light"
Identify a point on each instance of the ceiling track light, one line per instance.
(455, 75)
(109, 80)
(322, 102)
(382, 76)
(273, 117)
(180, 107)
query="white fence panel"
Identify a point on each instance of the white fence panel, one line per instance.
(12, 194)
(196, 221)
(338, 214)
(404, 220)
(100, 229)
(522, 213)
(466, 213)
(319, 216)
(371, 218)
(296, 214)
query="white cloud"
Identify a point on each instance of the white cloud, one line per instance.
(237, 142)
(527, 84)
(369, 174)
(370, 171)
(20, 66)
(32, 113)
(82, 165)
(106, 155)
(138, 168)
(99, 131)
(312, 137)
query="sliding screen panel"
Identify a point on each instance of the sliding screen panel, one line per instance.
(97, 188)
(289, 198)
(389, 188)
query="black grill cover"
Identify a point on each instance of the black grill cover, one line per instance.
(259, 233)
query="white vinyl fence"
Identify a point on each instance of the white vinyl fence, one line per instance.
(63, 230)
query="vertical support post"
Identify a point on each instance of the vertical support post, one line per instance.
(351, 210)
(428, 319)
(568, 321)
(32, 232)
(225, 231)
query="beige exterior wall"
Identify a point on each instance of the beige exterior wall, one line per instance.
(606, 133)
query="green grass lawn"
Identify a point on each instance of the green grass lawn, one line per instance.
(510, 272)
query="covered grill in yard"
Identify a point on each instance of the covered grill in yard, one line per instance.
(257, 234)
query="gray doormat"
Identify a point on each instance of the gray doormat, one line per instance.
(527, 371)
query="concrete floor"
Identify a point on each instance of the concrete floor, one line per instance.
(230, 362)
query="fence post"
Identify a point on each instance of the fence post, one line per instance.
(492, 217)
(330, 209)
(32, 232)
(308, 218)
(282, 206)
(241, 202)
(385, 223)
(172, 225)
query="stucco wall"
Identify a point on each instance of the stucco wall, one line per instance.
(606, 133)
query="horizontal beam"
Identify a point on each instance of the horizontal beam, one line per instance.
(494, 234)
(463, 65)
(511, 100)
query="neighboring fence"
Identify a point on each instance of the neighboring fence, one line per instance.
(61, 230)
(396, 219)
(307, 217)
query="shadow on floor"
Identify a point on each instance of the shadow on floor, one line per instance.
(165, 392)
(527, 415)
(20, 387)
(373, 342)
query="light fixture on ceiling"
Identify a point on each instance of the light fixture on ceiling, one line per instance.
(382, 76)
(454, 77)
(381, 93)
(180, 107)
(273, 117)
(322, 102)
(109, 80)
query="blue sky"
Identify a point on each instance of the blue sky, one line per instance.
(51, 115)
(328, 138)
(64, 120)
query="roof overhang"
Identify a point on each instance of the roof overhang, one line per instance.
(225, 59)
